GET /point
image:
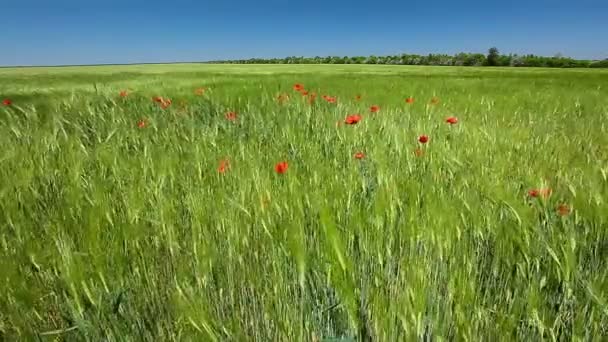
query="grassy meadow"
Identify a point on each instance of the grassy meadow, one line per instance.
(124, 218)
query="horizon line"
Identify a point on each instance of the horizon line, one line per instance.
(220, 61)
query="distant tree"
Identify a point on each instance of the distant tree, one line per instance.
(517, 61)
(504, 60)
(599, 64)
(493, 55)
(476, 59)
(462, 59)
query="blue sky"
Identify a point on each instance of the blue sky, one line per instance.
(53, 32)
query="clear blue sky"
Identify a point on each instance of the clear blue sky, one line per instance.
(50, 32)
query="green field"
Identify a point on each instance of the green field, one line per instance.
(117, 224)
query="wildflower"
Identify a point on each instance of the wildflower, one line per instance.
(374, 109)
(141, 123)
(224, 166)
(359, 155)
(409, 100)
(7, 102)
(231, 116)
(358, 98)
(123, 93)
(452, 120)
(329, 99)
(304, 92)
(544, 193)
(352, 119)
(563, 210)
(298, 87)
(281, 167)
(165, 103)
(423, 139)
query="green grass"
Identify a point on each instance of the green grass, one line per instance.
(112, 232)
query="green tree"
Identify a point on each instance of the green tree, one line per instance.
(372, 60)
(359, 60)
(504, 60)
(599, 64)
(493, 56)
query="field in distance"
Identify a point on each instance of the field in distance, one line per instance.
(287, 203)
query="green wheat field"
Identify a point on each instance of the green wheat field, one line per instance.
(126, 216)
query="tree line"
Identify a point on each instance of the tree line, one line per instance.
(493, 58)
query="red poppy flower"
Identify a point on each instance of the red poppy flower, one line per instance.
(330, 99)
(123, 93)
(435, 100)
(298, 87)
(563, 210)
(199, 91)
(304, 92)
(545, 193)
(358, 98)
(281, 167)
(374, 109)
(423, 139)
(224, 166)
(419, 152)
(165, 103)
(231, 116)
(141, 123)
(7, 102)
(359, 155)
(352, 119)
(452, 120)
(409, 100)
